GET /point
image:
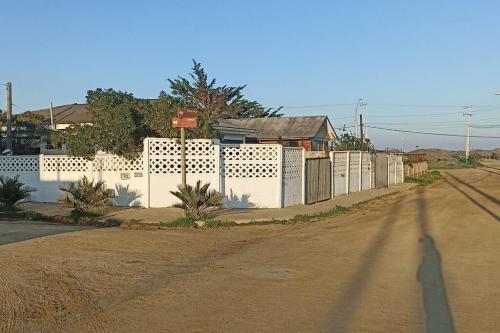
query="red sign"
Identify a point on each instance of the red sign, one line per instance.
(187, 113)
(184, 123)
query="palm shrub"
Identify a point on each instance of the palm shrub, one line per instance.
(12, 191)
(87, 196)
(197, 200)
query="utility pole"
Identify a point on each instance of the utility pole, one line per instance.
(468, 114)
(8, 124)
(356, 124)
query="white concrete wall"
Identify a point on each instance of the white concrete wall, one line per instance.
(352, 172)
(251, 175)
(395, 169)
(366, 175)
(340, 172)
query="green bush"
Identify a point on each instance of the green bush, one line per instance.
(12, 191)
(181, 222)
(196, 201)
(425, 179)
(87, 197)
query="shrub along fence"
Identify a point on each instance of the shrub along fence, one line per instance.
(248, 175)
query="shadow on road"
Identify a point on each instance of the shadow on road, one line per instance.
(493, 172)
(477, 203)
(349, 298)
(484, 194)
(430, 276)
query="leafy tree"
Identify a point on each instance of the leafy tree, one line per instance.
(348, 141)
(494, 156)
(120, 121)
(12, 191)
(117, 125)
(196, 201)
(214, 102)
(253, 109)
(28, 130)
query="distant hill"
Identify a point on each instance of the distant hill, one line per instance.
(436, 154)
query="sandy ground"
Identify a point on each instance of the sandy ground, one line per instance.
(424, 261)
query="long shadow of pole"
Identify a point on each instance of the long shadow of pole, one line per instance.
(349, 298)
(484, 194)
(439, 318)
(474, 201)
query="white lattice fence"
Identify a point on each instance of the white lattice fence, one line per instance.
(251, 175)
(164, 167)
(293, 176)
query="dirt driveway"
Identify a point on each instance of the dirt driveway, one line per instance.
(424, 261)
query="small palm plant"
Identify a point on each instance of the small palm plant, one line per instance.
(12, 191)
(85, 196)
(198, 200)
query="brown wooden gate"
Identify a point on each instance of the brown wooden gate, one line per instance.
(318, 180)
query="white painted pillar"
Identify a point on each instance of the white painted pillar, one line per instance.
(279, 188)
(348, 171)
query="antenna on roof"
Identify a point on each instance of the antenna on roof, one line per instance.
(51, 117)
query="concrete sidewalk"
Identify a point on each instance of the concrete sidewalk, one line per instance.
(245, 215)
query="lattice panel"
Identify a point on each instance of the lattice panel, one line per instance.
(249, 153)
(250, 170)
(64, 163)
(19, 163)
(293, 164)
(173, 165)
(172, 148)
(116, 163)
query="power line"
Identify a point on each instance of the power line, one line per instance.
(431, 133)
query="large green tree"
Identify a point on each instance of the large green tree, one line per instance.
(120, 121)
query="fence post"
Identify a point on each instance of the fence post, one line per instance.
(145, 167)
(360, 172)
(332, 178)
(40, 170)
(280, 176)
(348, 172)
(370, 171)
(303, 176)
(217, 186)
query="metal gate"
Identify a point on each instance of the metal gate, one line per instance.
(381, 172)
(318, 180)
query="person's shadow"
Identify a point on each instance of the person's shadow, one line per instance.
(430, 277)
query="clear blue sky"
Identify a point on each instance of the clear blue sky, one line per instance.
(307, 53)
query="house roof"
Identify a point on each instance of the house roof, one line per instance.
(284, 127)
(67, 114)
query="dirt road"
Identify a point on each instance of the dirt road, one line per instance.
(423, 261)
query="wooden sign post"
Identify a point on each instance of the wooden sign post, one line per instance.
(186, 118)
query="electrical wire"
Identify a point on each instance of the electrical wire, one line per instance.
(432, 133)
